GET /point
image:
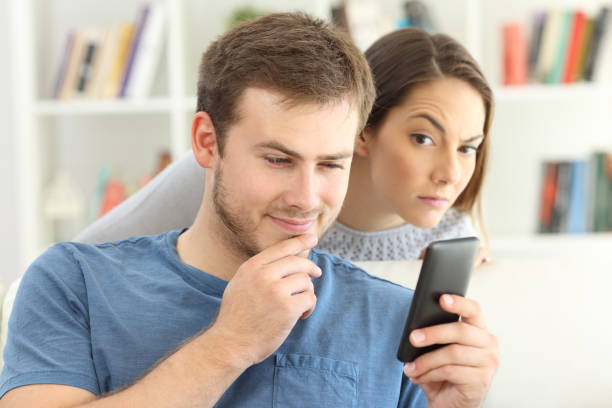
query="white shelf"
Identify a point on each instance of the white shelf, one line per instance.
(101, 107)
(542, 92)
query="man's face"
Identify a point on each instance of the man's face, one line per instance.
(284, 170)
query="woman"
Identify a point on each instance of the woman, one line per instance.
(418, 167)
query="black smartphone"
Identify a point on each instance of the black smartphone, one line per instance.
(446, 268)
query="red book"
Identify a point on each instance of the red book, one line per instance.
(115, 194)
(574, 49)
(549, 194)
(516, 58)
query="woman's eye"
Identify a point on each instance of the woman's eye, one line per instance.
(468, 150)
(422, 139)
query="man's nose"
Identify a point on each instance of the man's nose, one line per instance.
(302, 190)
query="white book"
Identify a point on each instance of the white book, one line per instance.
(147, 56)
(602, 73)
(549, 44)
(104, 60)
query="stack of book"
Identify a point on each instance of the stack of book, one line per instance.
(576, 196)
(564, 46)
(115, 62)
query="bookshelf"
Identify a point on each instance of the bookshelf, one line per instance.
(532, 123)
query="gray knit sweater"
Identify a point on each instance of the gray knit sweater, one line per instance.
(404, 242)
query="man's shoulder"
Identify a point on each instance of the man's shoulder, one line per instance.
(64, 257)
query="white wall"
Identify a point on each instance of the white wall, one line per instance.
(8, 206)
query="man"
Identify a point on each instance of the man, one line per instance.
(237, 310)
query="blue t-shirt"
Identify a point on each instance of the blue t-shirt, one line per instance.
(100, 316)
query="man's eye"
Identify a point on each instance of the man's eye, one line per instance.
(333, 165)
(277, 160)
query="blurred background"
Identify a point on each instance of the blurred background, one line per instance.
(97, 98)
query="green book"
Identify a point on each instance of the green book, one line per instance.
(601, 193)
(556, 73)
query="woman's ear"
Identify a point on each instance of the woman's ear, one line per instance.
(204, 140)
(362, 146)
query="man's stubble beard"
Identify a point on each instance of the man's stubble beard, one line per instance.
(239, 231)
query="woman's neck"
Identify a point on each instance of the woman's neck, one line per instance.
(364, 209)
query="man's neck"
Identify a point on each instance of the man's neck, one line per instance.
(363, 208)
(203, 247)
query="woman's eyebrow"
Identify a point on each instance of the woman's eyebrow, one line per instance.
(437, 125)
(473, 139)
(431, 120)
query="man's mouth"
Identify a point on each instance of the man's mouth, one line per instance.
(294, 225)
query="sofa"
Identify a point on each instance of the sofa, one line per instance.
(547, 300)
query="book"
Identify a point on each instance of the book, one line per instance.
(548, 44)
(547, 196)
(556, 71)
(85, 69)
(585, 47)
(602, 192)
(608, 174)
(537, 27)
(113, 81)
(572, 61)
(600, 26)
(515, 54)
(63, 67)
(559, 219)
(578, 196)
(602, 70)
(103, 62)
(76, 56)
(134, 49)
(148, 55)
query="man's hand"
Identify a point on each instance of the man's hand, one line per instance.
(458, 374)
(265, 298)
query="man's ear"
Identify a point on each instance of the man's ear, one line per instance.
(362, 146)
(204, 140)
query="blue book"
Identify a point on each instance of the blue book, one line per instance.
(577, 206)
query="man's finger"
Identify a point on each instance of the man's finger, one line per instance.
(452, 354)
(468, 309)
(291, 246)
(295, 283)
(292, 264)
(450, 333)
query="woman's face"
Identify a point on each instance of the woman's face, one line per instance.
(423, 154)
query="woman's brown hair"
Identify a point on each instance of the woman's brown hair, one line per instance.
(408, 57)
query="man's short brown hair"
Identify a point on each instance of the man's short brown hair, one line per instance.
(303, 58)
